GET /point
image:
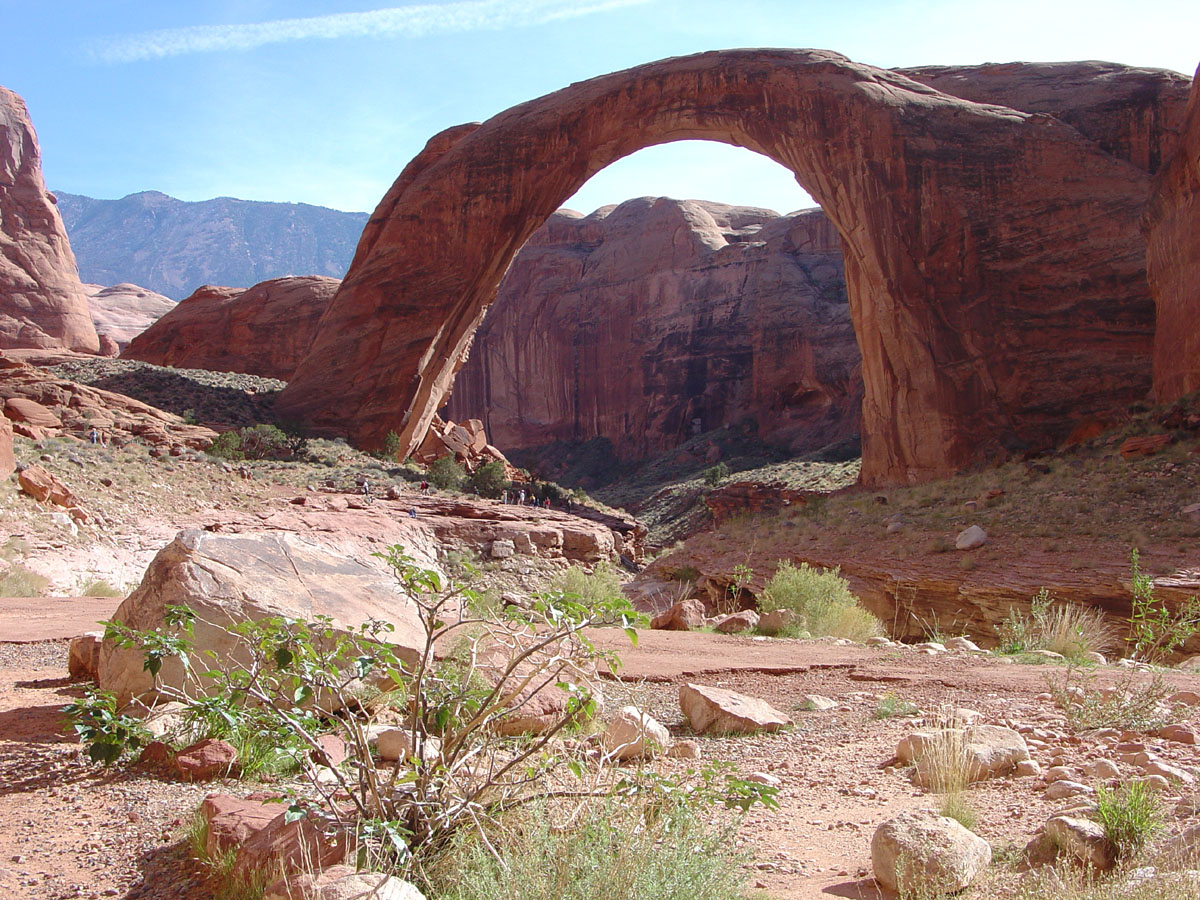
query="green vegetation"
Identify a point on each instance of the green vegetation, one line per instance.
(1131, 816)
(1066, 628)
(716, 474)
(108, 733)
(261, 441)
(822, 602)
(1154, 630)
(593, 589)
(446, 474)
(1134, 703)
(18, 581)
(98, 587)
(619, 849)
(490, 479)
(890, 706)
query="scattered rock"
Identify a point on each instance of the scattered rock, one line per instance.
(157, 755)
(342, 883)
(962, 644)
(397, 743)
(1027, 768)
(717, 710)
(632, 734)
(686, 615)
(818, 702)
(922, 852)
(746, 620)
(333, 751)
(289, 847)
(993, 750)
(1168, 771)
(687, 749)
(83, 656)
(503, 549)
(1179, 733)
(205, 760)
(233, 821)
(1104, 769)
(970, 538)
(1061, 790)
(1083, 839)
(1144, 445)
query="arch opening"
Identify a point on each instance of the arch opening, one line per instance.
(959, 227)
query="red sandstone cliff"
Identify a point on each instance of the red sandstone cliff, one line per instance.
(648, 321)
(264, 330)
(42, 303)
(1172, 225)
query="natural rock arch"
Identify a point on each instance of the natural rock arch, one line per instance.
(993, 260)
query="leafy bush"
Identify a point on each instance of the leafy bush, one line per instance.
(391, 446)
(285, 678)
(822, 601)
(1066, 628)
(716, 474)
(446, 474)
(616, 850)
(1130, 705)
(1131, 815)
(256, 442)
(593, 589)
(1154, 631)
(227, 445)
(890, 705)
(108, 733)
(490, 479)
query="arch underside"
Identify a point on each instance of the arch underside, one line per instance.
(994, 266)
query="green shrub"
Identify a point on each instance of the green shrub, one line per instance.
(490, 479)
(1066, 628)
(256, 442)
(822, 601)
(715, 475)
(890, 706)
(227, 445)
(18, 581)
(446, 474)
(612, 850)
(592, 589)
(1155, 631)
(98, 587)
(391, 446)
(1131, 815)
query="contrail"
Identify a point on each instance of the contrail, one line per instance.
(402, 21)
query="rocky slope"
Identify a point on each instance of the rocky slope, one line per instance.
(264, 330)
(647, 322)
(995, 269)
(173, 246)
(123, 311)
(42, 303)
(1172, 226)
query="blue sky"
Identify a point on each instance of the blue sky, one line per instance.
(324, 102)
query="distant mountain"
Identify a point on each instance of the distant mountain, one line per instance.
(173, 246)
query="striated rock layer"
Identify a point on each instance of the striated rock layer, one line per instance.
(42, 303)
(647, 322)
(263, 331)
(995, 270)
(1172, 225)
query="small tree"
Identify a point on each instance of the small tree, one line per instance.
(716, 474)
(446, 474)
(490, 479)
(1154, 631)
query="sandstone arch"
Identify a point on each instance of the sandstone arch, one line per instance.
(993, 260)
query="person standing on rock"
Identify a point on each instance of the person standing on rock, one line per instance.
(94, 435)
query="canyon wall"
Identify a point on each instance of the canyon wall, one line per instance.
(649, 321)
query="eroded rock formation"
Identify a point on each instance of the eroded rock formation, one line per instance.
(42, 303)
(646, 322)
(1172, 226)
(993, 261)
(123, 311)
(260, 331)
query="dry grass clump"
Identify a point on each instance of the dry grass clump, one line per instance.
(1069, 629)
(1132, 704)
(821, 600)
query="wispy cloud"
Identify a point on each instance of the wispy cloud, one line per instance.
(398, 21)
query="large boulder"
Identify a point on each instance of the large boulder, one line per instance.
(342, 882)
(633, 734)
(724, 711)
(42, 302)
(227, 579)
(923, 853)
(686, 615)
(264, 330)
(233, 821)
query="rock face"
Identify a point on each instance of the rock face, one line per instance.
(1172, 225)
(7, 462)
(261, 331)
(173, 246)
(715, 313)
(123, 311)
(230, 578)
(994, 267)
(42, 303)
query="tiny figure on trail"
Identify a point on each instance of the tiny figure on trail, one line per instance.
(366, 491)
(424, 487)
(546, 503)
(570, 505)
(412, 512)
(521, 497)
(244, 473)
(94, 435)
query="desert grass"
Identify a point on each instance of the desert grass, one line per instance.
(1134, 703)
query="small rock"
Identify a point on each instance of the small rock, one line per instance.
(1104, 769)
(1061, 790)
(1168, 771)
(83, 656)
(503, 549)
(776, 621)
(737, 622)
(1083, 839)
(1180, 734)
(687, 749)
(970, 538)
(686, 615)
(963, 645)
(932, 646)
(818, 703)
(1185, 698)
(763, 778)
(719, 710)
(206, 759)
(633, 734)
(1061, 773)
(1028, 768)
